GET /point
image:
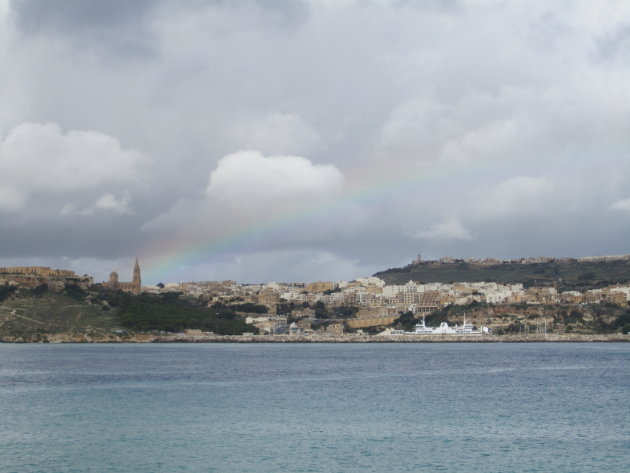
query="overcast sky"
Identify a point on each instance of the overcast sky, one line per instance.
(271, 140)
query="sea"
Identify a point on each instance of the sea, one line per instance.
(426, 407)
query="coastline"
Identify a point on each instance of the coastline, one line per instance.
(323, 338)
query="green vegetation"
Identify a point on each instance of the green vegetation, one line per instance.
(623, 322)
(25, 312)
(345, 311)
(36, 291)
(40, 311)
(285, 308)
(331, 291)
(335, 312)
(249, 307)
(609, 318)
(6, 291)
(516, 327)
(374, 330)
(452, 313)
(169, 312)
(75, 291)
(406, 322)
(320, 310)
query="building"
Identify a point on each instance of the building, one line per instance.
(29, 277)
(268, 298)
(320, 286)
(135, 286)
(42, 271)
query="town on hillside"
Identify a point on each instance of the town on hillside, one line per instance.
(371, 305)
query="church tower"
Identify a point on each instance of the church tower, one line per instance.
(136, 283)
(113, 280)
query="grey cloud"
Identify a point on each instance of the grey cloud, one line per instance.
(117, 25)
(434, 132)
(615, 45)
(62, 15)
(126, 27)
(448, 6)
(105, 236)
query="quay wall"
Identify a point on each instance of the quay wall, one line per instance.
(100, 337)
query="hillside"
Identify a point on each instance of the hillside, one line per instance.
(41, 314)
(32, 316)
(567, 275)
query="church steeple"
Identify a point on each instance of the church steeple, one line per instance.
(137, 282)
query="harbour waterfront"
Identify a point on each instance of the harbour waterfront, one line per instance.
(533, 407)
(100, 337)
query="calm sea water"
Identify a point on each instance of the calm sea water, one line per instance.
(315, 408)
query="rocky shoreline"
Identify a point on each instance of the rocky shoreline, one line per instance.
(323, 338)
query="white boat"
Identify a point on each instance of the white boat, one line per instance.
(465, 329)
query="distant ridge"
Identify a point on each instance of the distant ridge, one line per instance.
(567, 273)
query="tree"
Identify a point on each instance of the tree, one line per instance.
(75, 291)
(346, 311)
(146, 312)
(249, 307)
(406, 321)
(39, 290)
(330, 291)
(170, 297)
(284, 307)
(320, 310)
(6, 290)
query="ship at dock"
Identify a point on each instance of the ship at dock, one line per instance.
(466, 328)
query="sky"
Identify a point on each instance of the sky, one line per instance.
(305, 140)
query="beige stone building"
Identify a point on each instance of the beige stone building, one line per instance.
(38, 271)
(32, 276)
(320, 286)
(135, 286)
(268, 298)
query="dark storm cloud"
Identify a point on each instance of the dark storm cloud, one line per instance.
(102, 237)
(117, 25)
(69, 15)
(124, 27)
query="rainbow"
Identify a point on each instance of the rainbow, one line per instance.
(171, 255)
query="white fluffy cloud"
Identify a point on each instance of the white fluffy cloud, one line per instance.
(248, 189)
(247, 178)
(40, 158)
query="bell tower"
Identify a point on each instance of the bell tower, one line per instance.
(137, 282)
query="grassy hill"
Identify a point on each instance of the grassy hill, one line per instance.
(30, 314)
(567, 275)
